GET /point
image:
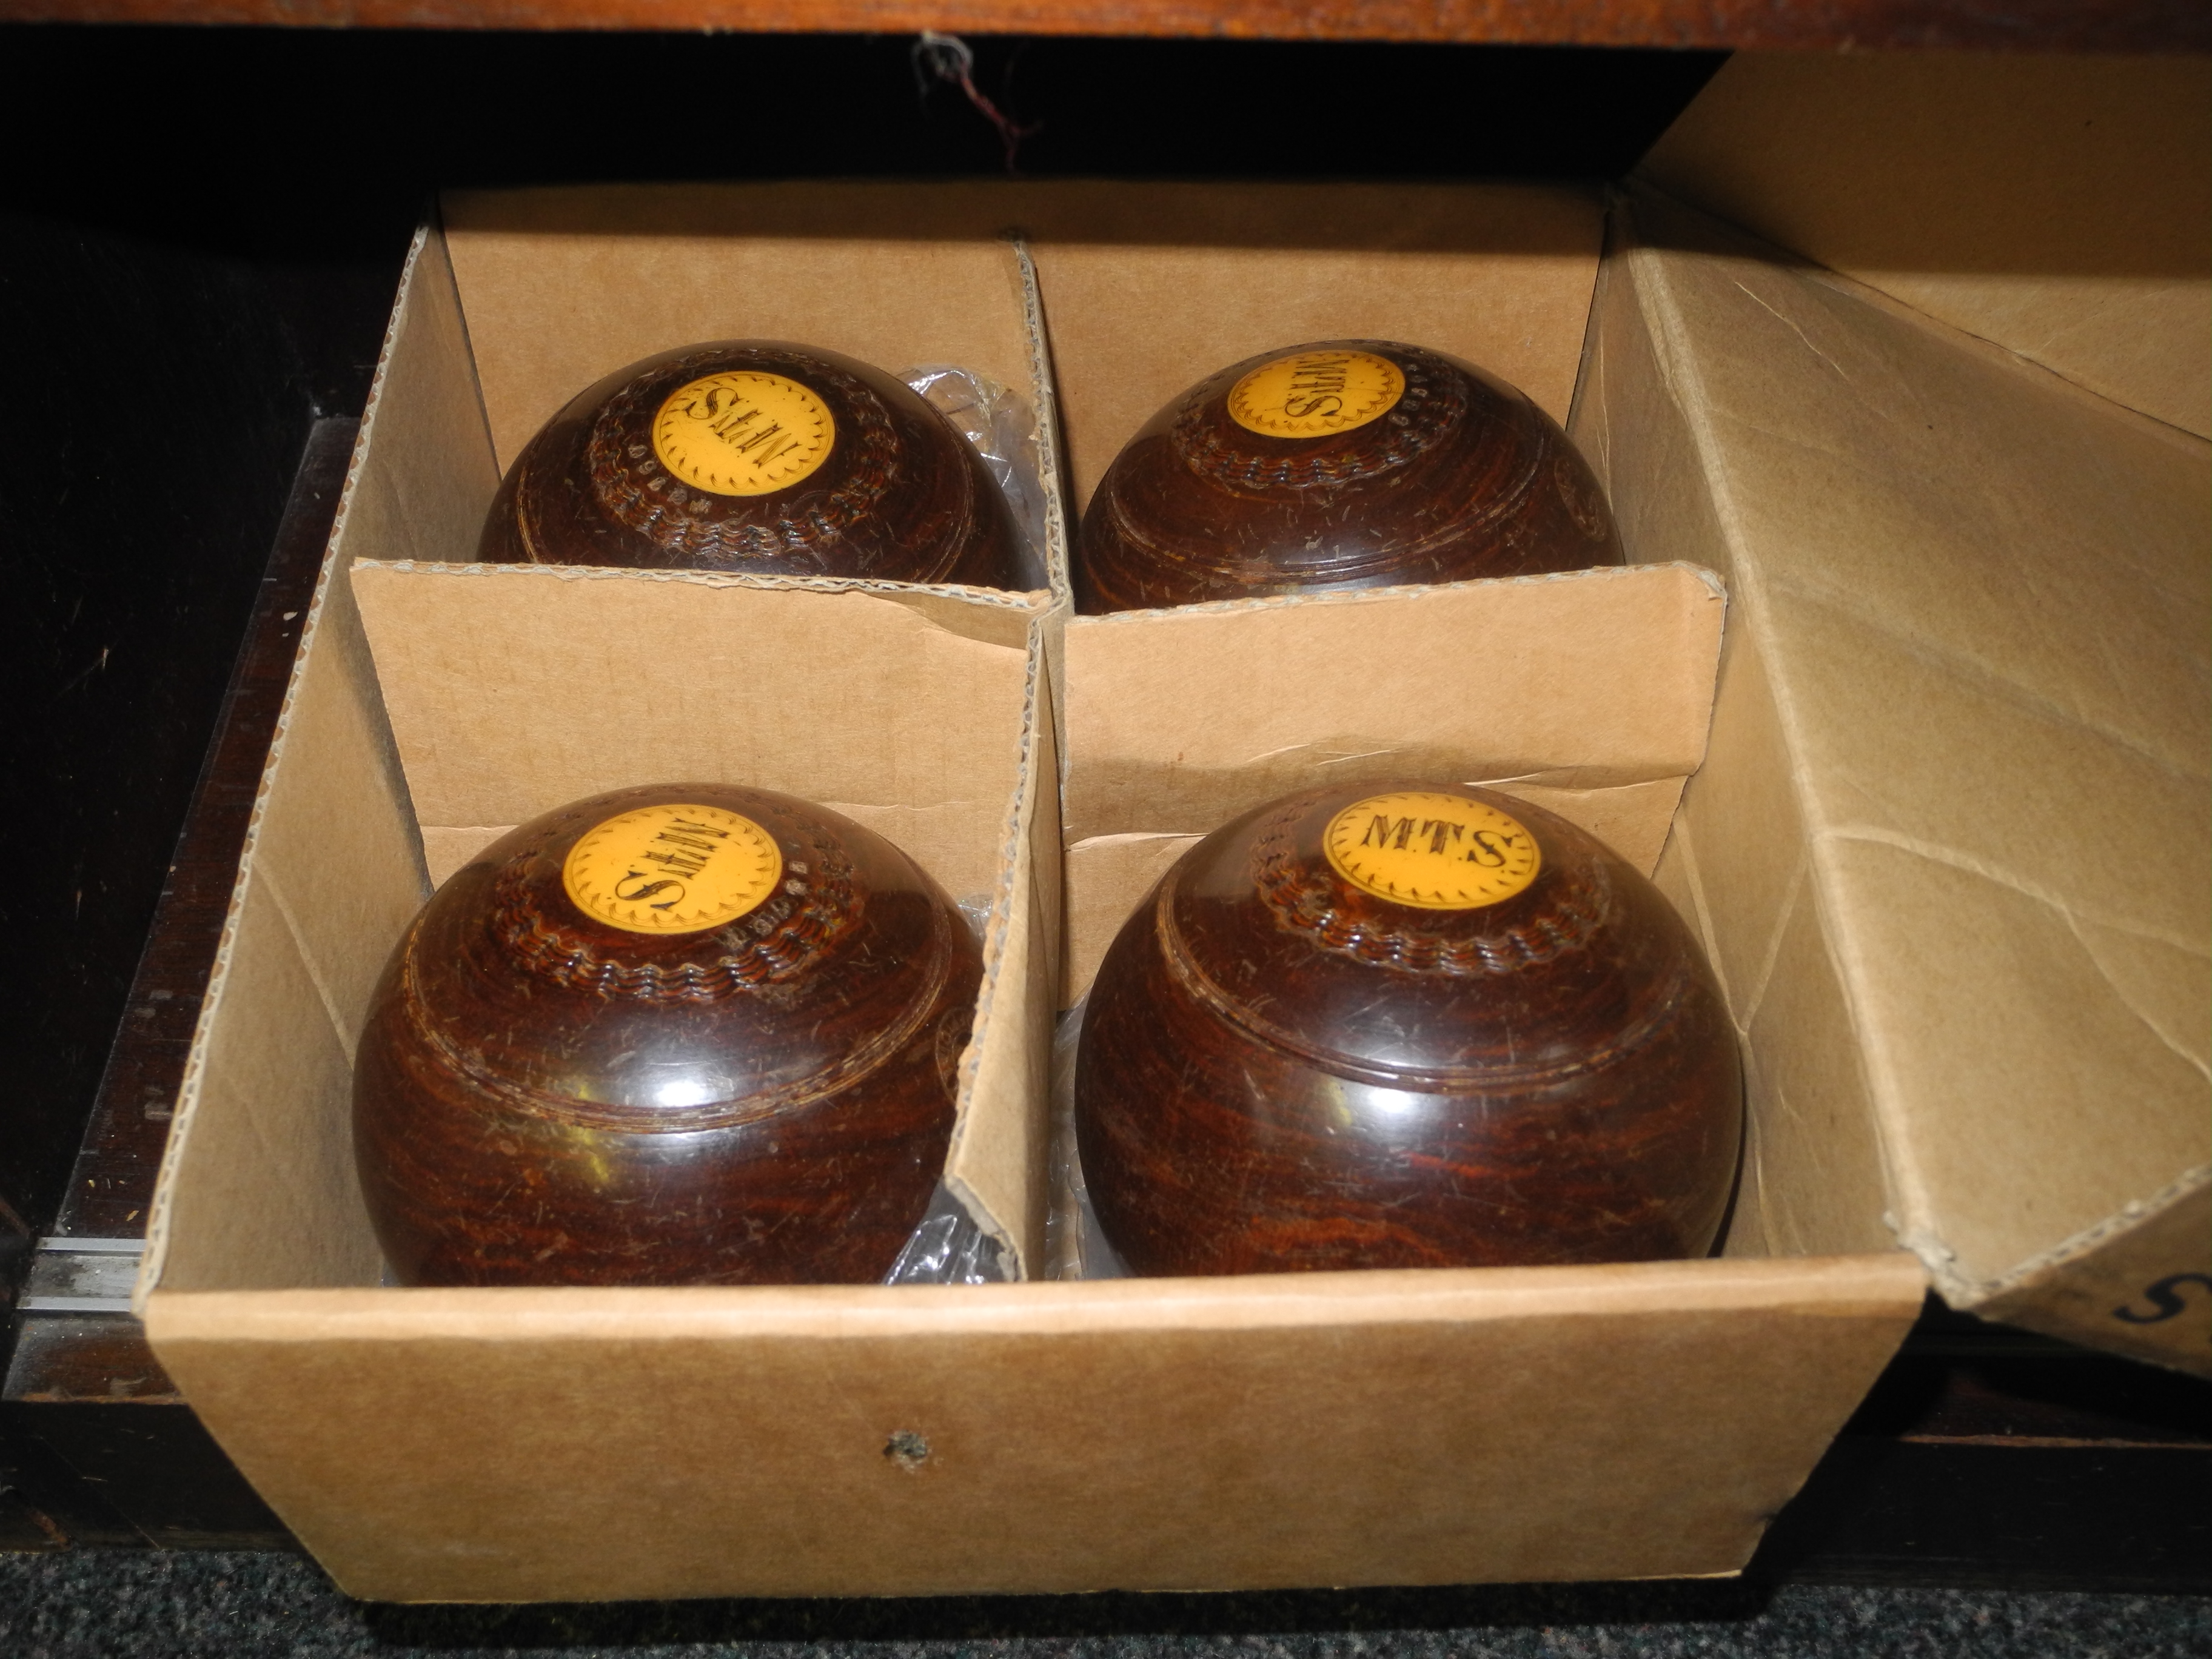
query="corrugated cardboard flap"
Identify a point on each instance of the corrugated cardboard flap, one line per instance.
(1979, 602)
(2055, 205)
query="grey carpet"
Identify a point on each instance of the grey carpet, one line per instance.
(103, 1602)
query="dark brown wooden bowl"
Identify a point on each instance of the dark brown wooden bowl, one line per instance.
(1344, 463)
(685, 1034)
(755, 457)
(1410, 1028)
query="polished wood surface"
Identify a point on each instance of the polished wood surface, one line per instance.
(543, 1098)
(1835, 25)
(90, 1424)
(898, 495)
(1280, 1071)
(111, 1189)
(1461, 476)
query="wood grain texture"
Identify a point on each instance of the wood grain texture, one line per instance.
(1281, 1072)
(543, 1098)
(1459, 477)
(895, 493)
(1984, 25)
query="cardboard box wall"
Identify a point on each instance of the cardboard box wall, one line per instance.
(1600, 1422)
(1971, 568)
(2056, 206)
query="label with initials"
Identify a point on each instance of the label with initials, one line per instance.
(1312, 394)
(743, 433)
(1432, 851)
(673, 869)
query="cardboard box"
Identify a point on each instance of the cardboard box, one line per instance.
(1425, 1427)
(1949, 845)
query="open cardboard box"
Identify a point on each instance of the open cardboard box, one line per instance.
(1348, 1428)
(527, 1444)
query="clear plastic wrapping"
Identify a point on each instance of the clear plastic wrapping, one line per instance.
(947, 1247)
(1001, 426)
(1075, 1247)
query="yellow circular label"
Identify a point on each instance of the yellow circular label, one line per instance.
(1311, 394)
(1434, 851)
(673, 869)
(743, 433)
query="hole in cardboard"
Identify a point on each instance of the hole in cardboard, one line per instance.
(907, 1449)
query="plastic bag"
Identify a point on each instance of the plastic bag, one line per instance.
(947, 1247)
(1000, 426)
(1074, 1245)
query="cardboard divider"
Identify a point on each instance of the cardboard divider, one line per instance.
(1587, 693)
(512, 689)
